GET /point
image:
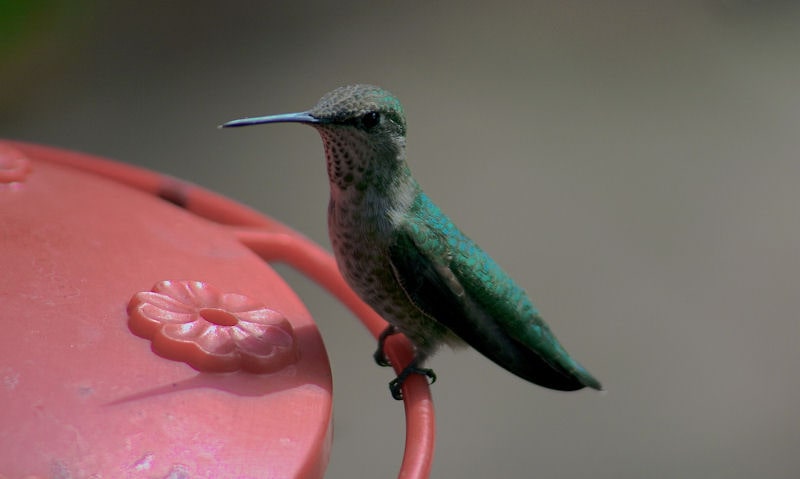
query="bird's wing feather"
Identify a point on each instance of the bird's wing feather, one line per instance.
(445, 275)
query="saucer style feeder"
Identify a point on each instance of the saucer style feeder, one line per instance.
(143, 336)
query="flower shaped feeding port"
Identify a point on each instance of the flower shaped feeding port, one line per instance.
(193, 322)
(14, 166)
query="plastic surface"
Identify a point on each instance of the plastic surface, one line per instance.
(137, 413)
(84, 397)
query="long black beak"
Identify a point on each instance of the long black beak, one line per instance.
(302, 117)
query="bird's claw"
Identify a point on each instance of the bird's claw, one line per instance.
(396, 384)
(380, 354)
(381, 359)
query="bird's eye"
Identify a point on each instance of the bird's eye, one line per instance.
(370, 119)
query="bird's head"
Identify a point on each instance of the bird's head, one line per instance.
(363, 129)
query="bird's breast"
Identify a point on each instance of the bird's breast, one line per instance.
(359, 235)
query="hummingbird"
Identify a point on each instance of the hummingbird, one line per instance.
(408, 261)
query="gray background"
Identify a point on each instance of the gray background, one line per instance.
(634, 166)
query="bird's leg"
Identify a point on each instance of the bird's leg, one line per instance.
(396, 385)
(380, 354)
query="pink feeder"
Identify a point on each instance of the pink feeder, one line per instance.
(143, 340)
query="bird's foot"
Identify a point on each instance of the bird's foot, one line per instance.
(380, 354)
(396, 385)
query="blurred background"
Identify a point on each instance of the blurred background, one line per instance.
(636, 167)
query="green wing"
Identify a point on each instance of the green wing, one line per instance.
(452, 280)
